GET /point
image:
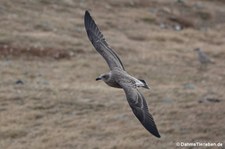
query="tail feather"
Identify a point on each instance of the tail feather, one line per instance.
(145, 84)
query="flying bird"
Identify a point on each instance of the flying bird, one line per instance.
(117, 76)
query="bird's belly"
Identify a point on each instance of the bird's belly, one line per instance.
(113, 84)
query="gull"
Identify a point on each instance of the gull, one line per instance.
(119, 78)
(203, 57)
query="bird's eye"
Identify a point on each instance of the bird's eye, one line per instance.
(105, 77)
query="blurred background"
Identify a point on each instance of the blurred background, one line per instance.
(49, 98)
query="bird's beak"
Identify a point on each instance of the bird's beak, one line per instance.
(98, 78)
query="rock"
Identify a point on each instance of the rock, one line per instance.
(162, 25)
(167, 100)
(19, 82)
(189, 86)
(178, 27)
(209, 100)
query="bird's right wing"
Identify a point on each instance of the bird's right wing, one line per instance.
(139, 107)
(98, 41)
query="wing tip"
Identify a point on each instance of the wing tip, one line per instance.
(87, 17)
(91, 27)
(86, 13)
(154, 131)
(150, 125)
(157, 135)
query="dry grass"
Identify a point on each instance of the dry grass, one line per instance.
(60, 105)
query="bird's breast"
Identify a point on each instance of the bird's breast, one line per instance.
(113, 83)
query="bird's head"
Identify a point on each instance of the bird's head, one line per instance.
(103, 77)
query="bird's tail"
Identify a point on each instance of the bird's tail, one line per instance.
(145, 84)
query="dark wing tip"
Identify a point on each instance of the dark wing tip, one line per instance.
(156, 133)
(87, 16)
(145, 117)
(92, 29)
(87, 19)
(87, 13)
(150, 125)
